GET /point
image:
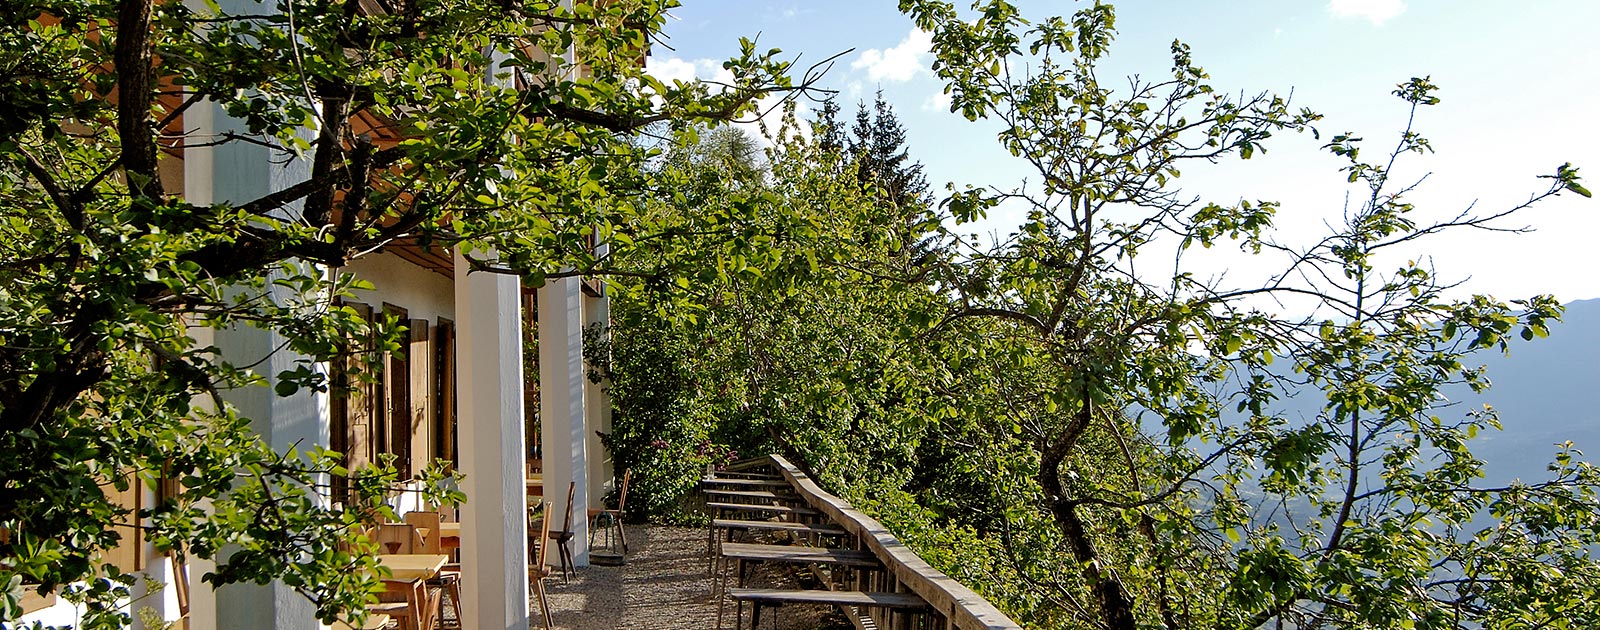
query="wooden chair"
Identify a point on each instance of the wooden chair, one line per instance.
(614, 516)
(563, 536)
(449, 580)
(402, 538)
(396, 538)
(429, 522)
(538, 546)
(180, 585)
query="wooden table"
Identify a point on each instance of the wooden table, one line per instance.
(756, 507)
(449, 536)
(749, 483)
(754, 495)
(759, 597)
(535, 484)
(409, 575)
(809, 530)
(796, 554)
(412, 566)
(791, 554)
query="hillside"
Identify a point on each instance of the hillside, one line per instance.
(1546, 392)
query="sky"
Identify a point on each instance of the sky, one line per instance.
(1520, 85)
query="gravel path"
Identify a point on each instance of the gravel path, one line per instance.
(664, 586)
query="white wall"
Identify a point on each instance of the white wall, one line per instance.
(426, 294)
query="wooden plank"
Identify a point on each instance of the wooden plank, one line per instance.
(838, 598)
(423, 437)
(781, 509)
(749, 465)
(445, 399)
(397, 398)
(128, 553)
(780, 526)
(354, 426)
(963, 608)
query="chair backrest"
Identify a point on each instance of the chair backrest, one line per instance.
(180, 583)
(566, 521)
(431, 541)
(545, 508)
(622, 497)
(396, 538)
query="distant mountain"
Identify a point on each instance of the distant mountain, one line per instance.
(1546, 391)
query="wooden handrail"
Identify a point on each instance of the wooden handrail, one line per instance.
(964, 609)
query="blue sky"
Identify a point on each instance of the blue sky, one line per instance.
(1519, 80)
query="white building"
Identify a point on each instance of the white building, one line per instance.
(456, 391)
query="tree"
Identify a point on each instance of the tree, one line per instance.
(878, 144)
(791, 353)
(1178, 493)
(443, 122)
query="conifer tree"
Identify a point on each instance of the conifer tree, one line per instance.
(878, 143)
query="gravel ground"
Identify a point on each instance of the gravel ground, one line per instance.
(664, 586)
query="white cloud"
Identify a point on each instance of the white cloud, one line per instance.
(900, 63)
(936, 102)
(772, 106)
(1375, 11)
(670, 69)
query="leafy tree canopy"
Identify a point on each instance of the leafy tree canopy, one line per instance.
(1102, 434)
(439, 123)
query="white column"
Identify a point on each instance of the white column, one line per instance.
(494, 522)
(563, 427)
(237, 173)
(597, 407)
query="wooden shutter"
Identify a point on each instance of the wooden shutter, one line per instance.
(354, 416)
(444, 348)
(421, 411)
(128, 555)
(397, 399)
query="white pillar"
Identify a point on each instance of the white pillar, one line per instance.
(236, 173)
(494, 522)
(563, 427)
(597, 407)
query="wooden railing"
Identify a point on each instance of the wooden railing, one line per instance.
(904, 571)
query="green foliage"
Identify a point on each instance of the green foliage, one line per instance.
(449, 123)
(1108, 445)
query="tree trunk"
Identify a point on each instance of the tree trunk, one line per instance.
(1116, 607)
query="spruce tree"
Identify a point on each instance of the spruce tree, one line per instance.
(876, 150)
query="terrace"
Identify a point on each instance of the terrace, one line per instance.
(782, 552)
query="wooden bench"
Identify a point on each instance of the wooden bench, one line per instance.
(760, 597)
